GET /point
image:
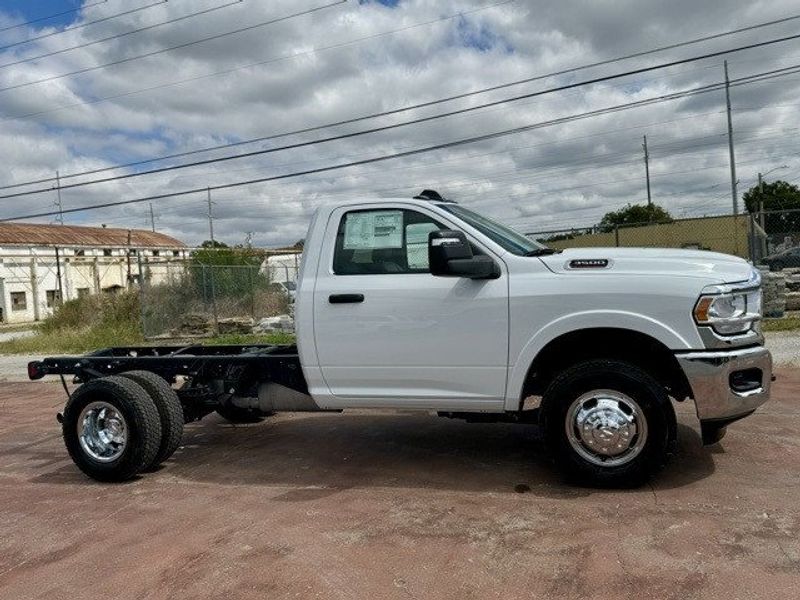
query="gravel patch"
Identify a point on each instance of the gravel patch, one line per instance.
(785, 347)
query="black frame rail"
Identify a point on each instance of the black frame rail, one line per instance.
(248, 364)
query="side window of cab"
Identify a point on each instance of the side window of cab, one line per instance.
(383, 241)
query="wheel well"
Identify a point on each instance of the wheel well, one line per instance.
(606, 343)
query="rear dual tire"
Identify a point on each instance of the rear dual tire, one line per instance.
(117, 426)
(169, 409)
(111, 428)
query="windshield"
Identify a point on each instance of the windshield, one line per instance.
(510, 240)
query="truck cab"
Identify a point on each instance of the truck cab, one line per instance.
(499, 319)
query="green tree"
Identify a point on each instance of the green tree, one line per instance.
(634, 214)
(776, 196)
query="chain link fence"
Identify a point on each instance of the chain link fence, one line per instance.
(186, 299)
(771, 238)
(778, 245)
(730, 234)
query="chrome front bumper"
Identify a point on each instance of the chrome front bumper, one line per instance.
(715, 391)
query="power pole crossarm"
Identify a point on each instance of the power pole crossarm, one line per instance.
(734, 184)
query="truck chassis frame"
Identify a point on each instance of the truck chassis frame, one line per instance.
(211, 373)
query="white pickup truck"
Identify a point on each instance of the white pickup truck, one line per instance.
(424, 304)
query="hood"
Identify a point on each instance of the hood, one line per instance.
(711, 266)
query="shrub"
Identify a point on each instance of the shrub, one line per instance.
(101, 310)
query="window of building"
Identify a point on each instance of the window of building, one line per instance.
(53, 298)
(19, 301)
(383, 241)
(156, 252)
(132, 251)
(176, 253)
(106, 251)
(83, 292)
(80, 252)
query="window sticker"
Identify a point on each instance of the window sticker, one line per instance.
(373, 230)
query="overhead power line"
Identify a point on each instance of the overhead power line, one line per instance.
(48, 17)
(362, 132)
(416, 151)
(259, 63)
(82, 25)
(124, 34)
(420, 105)
(171, 48)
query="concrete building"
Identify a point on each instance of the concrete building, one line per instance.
(41, 264)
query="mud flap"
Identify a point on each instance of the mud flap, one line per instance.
(713, 430)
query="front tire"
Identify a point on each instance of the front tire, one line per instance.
(111, 428)
(606, 423)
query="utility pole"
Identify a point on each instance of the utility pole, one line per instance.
(152, 218)
(210, 217)
(734, 183)
(128, 253)
(647, 172)
(58, 275)
(59, 206)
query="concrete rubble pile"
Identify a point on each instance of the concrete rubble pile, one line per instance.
(281, 323)
(194, 325)
(792, 288)
(229, 325)
(774, 286)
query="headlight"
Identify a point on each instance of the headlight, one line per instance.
(730, 311)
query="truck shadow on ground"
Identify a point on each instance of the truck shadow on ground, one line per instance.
(323, 454)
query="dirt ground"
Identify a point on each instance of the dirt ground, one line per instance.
(383, 506)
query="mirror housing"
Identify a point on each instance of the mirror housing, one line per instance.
(450, 255)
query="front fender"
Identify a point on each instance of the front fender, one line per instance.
(592, 319)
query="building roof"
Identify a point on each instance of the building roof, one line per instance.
(34, 234)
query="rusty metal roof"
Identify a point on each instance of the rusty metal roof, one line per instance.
(34, 234)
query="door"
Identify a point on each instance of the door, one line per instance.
(388, 333)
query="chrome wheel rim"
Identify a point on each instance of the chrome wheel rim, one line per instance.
(606, 427)
(102, 431)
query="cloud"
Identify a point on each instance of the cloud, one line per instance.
(309, 73)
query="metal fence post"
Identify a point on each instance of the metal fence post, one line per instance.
(616, 234)
(142, 296)
(214, 302)
(252, 292)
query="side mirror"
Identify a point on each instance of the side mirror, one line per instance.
(450, 255)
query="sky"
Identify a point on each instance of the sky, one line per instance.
(361, 57)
